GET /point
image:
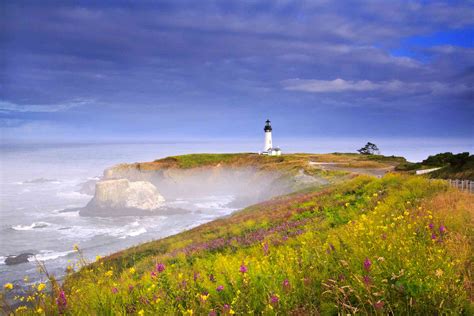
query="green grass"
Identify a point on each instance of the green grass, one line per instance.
(396, 245)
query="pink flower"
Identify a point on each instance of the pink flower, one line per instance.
(367, 264)
(442, 229)
(379, 305)
(114, 290)
(212, 313)
(367, 280)
(61, 301)
(286, 283)
(274, 299)
(243, 268)
(220, 288)
(160, 267)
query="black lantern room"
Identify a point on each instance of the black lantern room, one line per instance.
(268, 127)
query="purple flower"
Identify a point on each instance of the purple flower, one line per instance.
(431, 225)
(367, 280)
(274, 299)
(160, 267)
(442, 229)
(114, 290)
(286, 283)
(433, 236)
(220, 288)
(367, 264)
(153, 274)
(212, 278)
(243, 268)
(61, 301)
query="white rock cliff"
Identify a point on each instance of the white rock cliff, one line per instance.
(122, 193)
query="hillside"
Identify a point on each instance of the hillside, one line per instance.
(398, 245)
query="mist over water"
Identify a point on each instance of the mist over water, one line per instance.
(38, 182)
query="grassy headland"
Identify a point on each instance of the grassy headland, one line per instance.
(399, 244)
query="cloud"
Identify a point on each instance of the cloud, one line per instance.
(6, 106)
(393, 86)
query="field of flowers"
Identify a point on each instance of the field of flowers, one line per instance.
(395, 245)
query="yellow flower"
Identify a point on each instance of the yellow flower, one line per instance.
(41, 287)
(204, 297)
(375, 194)
(439, 273)
(39, 310)
(8, 286)
(97, 258)
(132, 270)
(21, 309)
(109, 273)
(141, 312)
(189, 312)
(231, 312)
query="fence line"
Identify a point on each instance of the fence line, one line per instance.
(463, 185)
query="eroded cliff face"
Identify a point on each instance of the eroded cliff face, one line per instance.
(121, 196)
(130, 189)
(247, 183)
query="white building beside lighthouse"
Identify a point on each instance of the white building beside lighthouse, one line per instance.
(268, 148)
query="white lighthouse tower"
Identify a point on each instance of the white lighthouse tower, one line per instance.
(268, 148)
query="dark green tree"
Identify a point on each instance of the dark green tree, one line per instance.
(369, 149)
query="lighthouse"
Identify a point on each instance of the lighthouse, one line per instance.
(268, 148)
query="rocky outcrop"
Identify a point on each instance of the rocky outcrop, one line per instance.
(22, 258)
(121, 196)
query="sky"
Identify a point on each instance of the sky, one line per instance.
(79, 71)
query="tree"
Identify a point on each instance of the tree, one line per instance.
(369, 149)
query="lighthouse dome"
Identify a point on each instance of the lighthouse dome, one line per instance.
(268, 127)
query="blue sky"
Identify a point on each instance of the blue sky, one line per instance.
(158, 70)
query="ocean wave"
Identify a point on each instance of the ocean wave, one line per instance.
(45, 255)
(134, 233)
(73, 195)
(35, 225)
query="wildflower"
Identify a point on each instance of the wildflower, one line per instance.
(21, 309)
(220, 288)
(442, 229)
(189, 312)
(431, 226)
(114, 290)
(286, 283)
(367, 280)
(141, 312)
(243, 268)
(367, 264)
(153, 274)
(379, 305)
(274, 299)
(132, 270)
(433, 236)
(439, 273)
(212, 313)
(41, 287)
(212, 278)
(39, 310)
(61, 301)
(160, 267)
(109, 273)
(8, 286)
(204, 297)
(97, 258)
